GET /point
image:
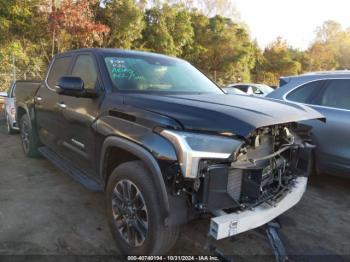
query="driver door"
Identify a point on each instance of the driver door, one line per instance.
(78, 115)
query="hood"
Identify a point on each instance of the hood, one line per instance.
(237, 114)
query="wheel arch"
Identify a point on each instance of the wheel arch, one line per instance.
(21, 110)
(136, 152)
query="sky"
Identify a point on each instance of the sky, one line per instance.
(294, 20)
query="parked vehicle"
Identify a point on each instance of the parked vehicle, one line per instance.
(234, 91)
(2, 100)
(165, 144)
(252, 89)
(328, 93)
(10, 109)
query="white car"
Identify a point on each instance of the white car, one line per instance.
(252, 89)
(10, 109)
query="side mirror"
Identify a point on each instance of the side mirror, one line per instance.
(3, 94)
(74, 86)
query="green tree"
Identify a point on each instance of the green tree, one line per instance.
(125, 20)
(221, 48)
(278, 61)
(168, 30)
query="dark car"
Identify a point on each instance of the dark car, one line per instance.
(165, 144)
(329, 93)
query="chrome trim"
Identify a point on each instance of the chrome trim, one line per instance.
(284, 97)
(77, 143)
(47, 76)
(63, 106)
(188, 158)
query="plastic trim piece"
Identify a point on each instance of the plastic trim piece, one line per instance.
(226, 225)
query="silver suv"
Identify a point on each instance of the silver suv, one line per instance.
(329, 93)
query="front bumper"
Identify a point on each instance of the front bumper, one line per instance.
(226, 225)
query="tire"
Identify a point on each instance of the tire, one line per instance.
(30, 141)
(9, 128)
(151, 237)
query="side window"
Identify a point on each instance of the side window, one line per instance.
(257, 91)
(59, 68)
(242, 88)
(337, 94)
(304, 93)
(85, 68)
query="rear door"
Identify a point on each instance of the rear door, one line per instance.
(334, 104)
(78, 115)
(46, 104)
(331, 97)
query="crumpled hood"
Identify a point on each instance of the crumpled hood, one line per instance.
(237, 114)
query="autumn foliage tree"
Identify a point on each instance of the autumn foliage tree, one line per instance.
(73, 26)
(207, 33)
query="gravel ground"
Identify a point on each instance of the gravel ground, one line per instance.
(45, 213)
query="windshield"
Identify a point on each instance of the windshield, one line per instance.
(157, 74)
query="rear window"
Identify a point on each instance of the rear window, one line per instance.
(306, 93)
(59, 68)
(337, 94)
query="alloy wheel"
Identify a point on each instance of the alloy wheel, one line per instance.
(130, 213)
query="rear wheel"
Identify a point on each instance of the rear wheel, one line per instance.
(134, 213)
(29, 137)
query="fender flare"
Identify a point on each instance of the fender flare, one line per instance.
(147, 158)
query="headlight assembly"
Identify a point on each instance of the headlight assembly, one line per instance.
(192, 147)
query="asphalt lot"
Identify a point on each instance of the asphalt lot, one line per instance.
(45, 212)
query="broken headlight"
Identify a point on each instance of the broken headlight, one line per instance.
(192, 147)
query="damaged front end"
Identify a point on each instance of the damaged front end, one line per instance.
(262, 170)
(262, 177)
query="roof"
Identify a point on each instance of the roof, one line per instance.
(328, 72)
(322, 73)
(116, 51)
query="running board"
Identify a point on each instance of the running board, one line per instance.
(73, 172)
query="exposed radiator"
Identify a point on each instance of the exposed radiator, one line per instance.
(234, 183)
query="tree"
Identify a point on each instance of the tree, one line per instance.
(221, 48)
(321, 57)
(72, 25)
(278, 61)
(168, 30)
(125, 20)
(331, 48)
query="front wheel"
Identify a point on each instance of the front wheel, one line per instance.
(29, 137)
(133, 211)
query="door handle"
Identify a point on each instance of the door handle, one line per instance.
(62, 105)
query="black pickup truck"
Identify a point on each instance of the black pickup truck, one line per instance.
(165, 144)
